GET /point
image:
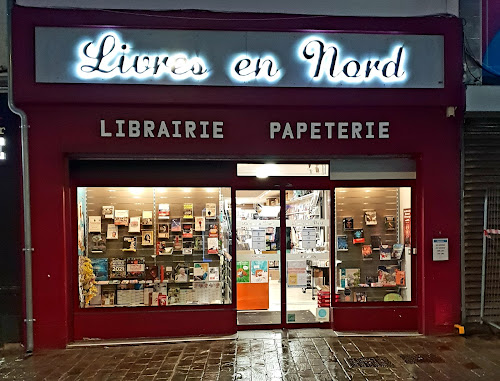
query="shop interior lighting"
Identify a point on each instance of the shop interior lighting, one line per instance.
(136, 191)
(268, 170)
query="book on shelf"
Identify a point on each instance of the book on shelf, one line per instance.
(361, 297)
(213, 245)
(176, 225)
(100, 268)
(94, 224)
(387, 275)
(375, 241)
(151, 272)
(163, 230)
(147, 238)
(366, 251)
(177, 243)
(181, 273)
(358, 236)
(188, 210)
(210, 210)
(348, 223)
(136, 267)
(187, 230)
(397, 250)
(187, 247)
(342, 244)
(174, 295)
(147, 217)
(129, 243)
(385, 252)
(163, 211)
(117, 268)
(390, 223)
(108, 296)
(108, 211)
(199, 224)
(349, 277)
(198, 243)
(164, 248)
(370, 217)
(168, 274)
(98, 243)
(112, 232)
(200, 271)
(134, 225)
(400, 278)
(213, 274)
(121, 217)
(213, 231)
(369, 279)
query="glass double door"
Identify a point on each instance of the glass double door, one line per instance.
(282, 256)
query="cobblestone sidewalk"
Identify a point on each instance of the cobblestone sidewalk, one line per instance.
(270, 355)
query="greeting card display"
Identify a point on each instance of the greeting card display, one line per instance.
(147, 238)
(213, 231)
(199, 224)
(358, 236)
(163, 211)
(188, 210)
(176, 225)
(348, 223)
(211, 210)
(242, 271)
(259, 273)
(163, 231)
(370, 217)
(121, 217)
(108, 211)
(163, 248)
(342, 244)
(177, 243)
(390, 223)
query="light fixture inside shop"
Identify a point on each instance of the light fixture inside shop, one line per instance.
(136, 191)
(268, 170)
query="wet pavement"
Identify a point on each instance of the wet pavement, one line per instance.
(309, 354)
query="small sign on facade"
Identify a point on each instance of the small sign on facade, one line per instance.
(440, 249)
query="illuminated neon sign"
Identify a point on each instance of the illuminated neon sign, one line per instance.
(325, 60)
(238, 58)
(110, 57)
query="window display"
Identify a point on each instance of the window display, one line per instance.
(154, 246)
(373, 253)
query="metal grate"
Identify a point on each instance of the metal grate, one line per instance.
(490, 273)
(369, 362)
(421, 358)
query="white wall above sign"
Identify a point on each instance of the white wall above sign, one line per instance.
(233, 58)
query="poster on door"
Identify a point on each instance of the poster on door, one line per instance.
(407, 227)
(259, 239)
(259, 272)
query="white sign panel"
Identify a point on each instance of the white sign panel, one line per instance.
(308, 238)
(238, 58)
(259, 239)
(440, 249)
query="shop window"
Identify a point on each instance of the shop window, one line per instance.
(373, 244)
(154, 246)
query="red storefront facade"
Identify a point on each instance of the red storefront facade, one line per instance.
(71, 147)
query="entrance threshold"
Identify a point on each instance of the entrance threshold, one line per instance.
(376, 334)
(145, 340)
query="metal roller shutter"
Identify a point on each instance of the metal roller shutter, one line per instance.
(481, 171)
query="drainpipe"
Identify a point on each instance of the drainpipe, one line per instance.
(26, 192)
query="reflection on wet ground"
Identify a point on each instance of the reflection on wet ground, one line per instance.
(308, 354)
